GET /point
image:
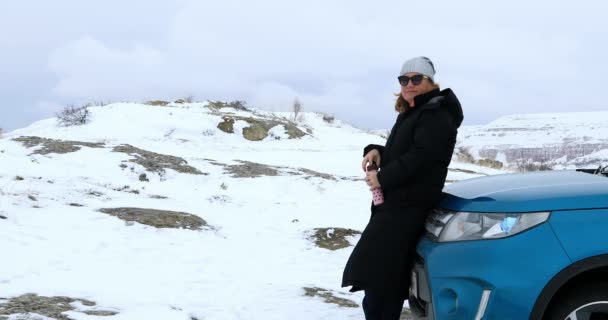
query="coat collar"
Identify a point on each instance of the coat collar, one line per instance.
(423, 99)
(433, 99)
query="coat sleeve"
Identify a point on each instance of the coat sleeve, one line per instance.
(433, 141)
(371, 147)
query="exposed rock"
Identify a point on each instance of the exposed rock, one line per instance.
(249, 169)
(55, 146)
(227, 125)
(76, 205)
(155, 196)
(255, 132)
(143, 177)
(156, 162)
(259, 126)
(294, 132)
(329, 297)
(157, 103)
(52, 307)
(31, 197)
(332, 238)
(312, 173)
(100, 313)
(158, 218)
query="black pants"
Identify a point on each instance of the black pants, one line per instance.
(379, 307)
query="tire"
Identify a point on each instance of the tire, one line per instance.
(590, 299)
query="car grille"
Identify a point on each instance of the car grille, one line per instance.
(421, 305)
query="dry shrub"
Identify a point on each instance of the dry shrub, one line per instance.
(72, 116)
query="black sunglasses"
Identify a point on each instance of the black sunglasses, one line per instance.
(416, 79)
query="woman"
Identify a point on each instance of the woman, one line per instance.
(413, 168)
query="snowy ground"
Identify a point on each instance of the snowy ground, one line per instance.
(254, 264)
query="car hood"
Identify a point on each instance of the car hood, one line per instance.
(528, 192)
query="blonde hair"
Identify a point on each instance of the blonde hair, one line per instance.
(401, 105)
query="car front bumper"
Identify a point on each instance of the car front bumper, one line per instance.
(484, 279)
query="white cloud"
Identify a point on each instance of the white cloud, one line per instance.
(340, 56)
(88, 68)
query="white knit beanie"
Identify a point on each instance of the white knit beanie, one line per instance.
(422, 65)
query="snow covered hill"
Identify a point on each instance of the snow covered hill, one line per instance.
(557, 140)
(184, 211)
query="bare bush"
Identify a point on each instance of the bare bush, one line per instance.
(328, 118)
(1, 133)
(208, 132)
(464, 155)
(72, 116)
(296, 108)
(99, 103)
(236, 104)
(189, 99)
(527, 165)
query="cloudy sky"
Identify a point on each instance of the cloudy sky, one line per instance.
(340, 57)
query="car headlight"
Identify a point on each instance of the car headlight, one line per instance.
(458, 226)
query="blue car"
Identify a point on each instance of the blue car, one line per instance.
(516, 246)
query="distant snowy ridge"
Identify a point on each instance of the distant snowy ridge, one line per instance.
(557, 140)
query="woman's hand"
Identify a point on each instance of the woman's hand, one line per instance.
(372, 179)
(373, 156)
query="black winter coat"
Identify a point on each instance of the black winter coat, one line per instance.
(413, 169)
